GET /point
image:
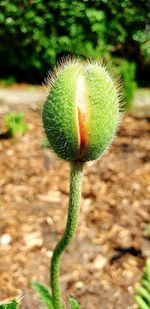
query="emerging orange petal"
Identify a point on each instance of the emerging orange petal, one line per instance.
(82, 129)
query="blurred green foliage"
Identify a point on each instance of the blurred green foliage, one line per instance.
(15, 123)
(34, 34)
(9, 80)
(127, 72)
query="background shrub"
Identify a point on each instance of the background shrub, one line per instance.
(127, 72)
(34, 34)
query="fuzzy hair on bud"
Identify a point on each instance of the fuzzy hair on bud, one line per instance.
(82, 110)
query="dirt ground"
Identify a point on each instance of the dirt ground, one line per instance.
(105, 261)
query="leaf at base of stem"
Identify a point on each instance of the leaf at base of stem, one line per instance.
(43, 293)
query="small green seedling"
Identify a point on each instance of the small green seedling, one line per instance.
(15, 123)
(45, 144)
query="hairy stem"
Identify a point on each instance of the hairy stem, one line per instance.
(72, 222)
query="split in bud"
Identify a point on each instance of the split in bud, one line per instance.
(81, 112)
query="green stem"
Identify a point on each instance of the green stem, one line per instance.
(72, 222)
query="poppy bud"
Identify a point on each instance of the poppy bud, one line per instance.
(81, 112)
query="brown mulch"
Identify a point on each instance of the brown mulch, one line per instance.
(106, 259)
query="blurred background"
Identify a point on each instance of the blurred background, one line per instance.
(105, 262)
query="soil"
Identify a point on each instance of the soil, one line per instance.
(105, 261)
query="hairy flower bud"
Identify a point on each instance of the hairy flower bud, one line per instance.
(81, 112)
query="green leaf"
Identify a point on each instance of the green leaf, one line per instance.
(11, 305)
(144, 293)
(74, 304)
(148, 268)
(146, 284)
(142, 304)
(142, 296)
(43, 293)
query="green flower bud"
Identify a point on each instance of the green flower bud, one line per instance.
(81, 112)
